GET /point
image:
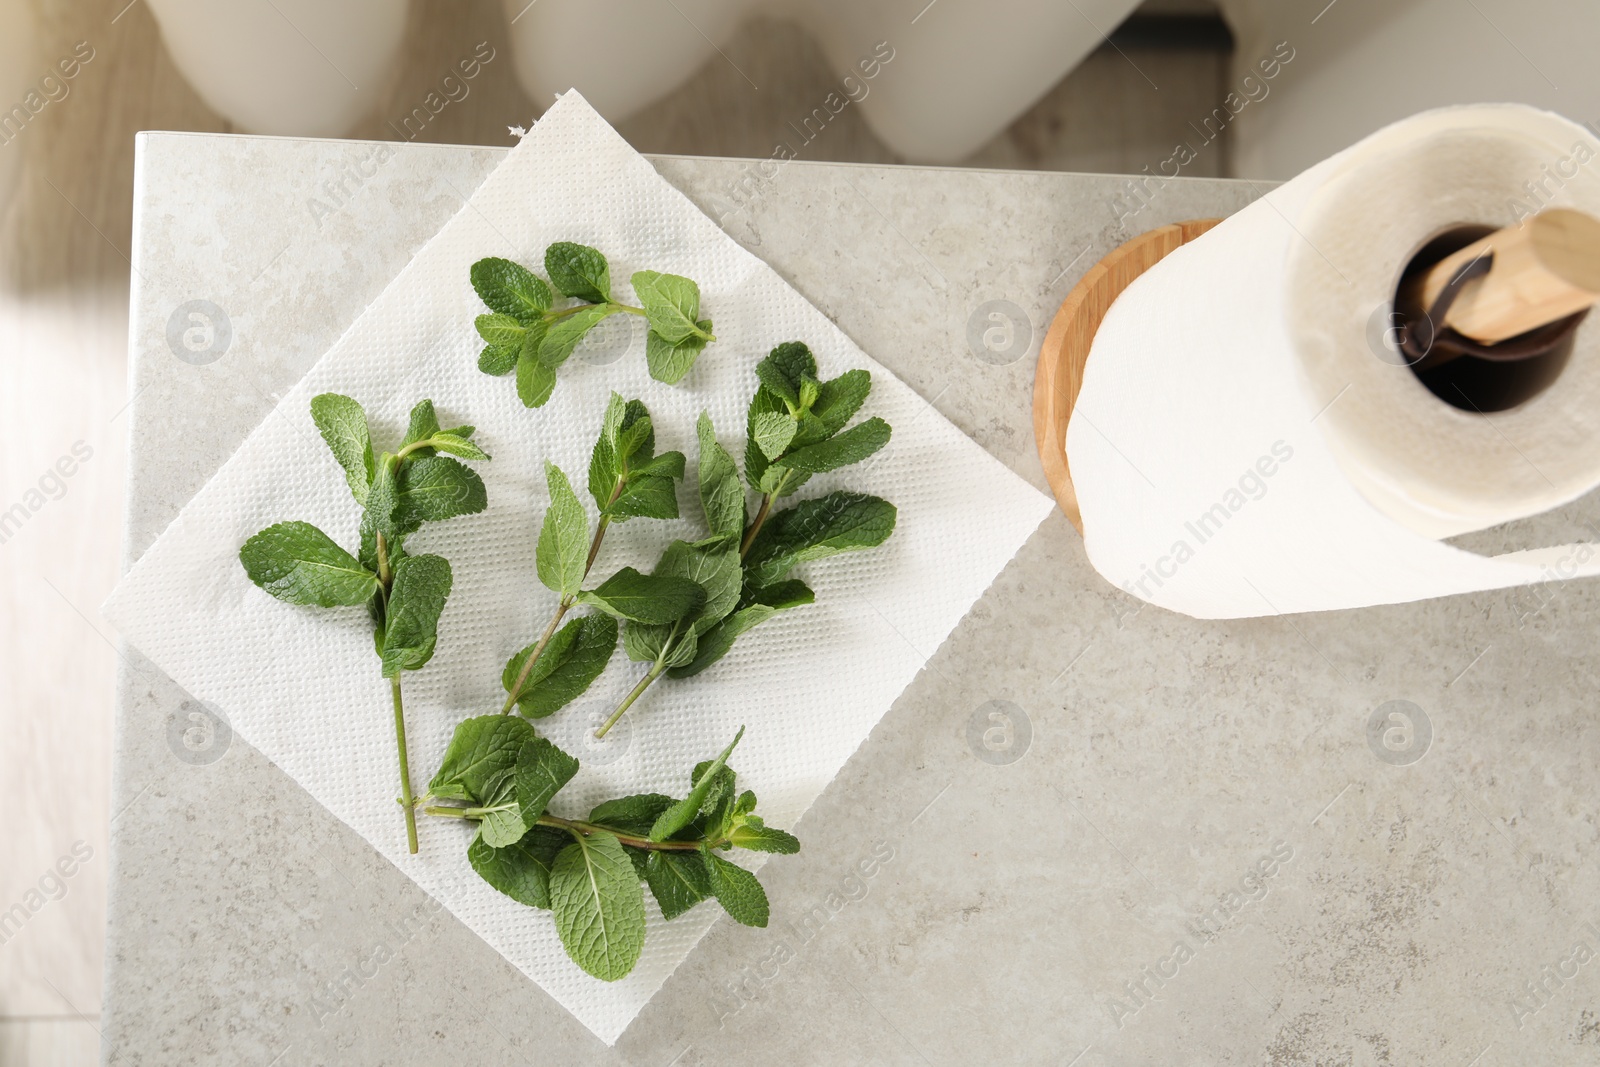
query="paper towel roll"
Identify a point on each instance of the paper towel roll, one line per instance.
(1248, 440)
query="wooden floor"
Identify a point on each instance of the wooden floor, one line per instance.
(64, 248)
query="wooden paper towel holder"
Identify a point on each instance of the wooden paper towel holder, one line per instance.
(1521, 290)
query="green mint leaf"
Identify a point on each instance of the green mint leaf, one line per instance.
(423, 425)
(794, 360)
(563, 335)
(763, 604)
(598, 905)
(746, 804)
(481, 752)
(666, 465)
(810, 389)
(636, 436)
(435, 488)
(299, 564)
(502, 822)
(498, 361)
(542, 770)
(574, 658)
(714, 565)
(721, 788)
(344, 427)
(772, 431)
(737, 890)
(777, 382)
(765, 839)
(678, 881)
(721, 495)
(605, 469)
(682, 813)
(816, 529)
(520, 871)
(671, 304)
(382, 514)
(500, 331)
(764, 403)
(510, 289)
(838, 400)
(645, 497)
(578, 271)
(668, 361)
(421, 586)
(463, 432)
(535, 380)
(631, 815)
(671, 645)
(646, 598)
(851, 446)
(563, 554)
(457, 445)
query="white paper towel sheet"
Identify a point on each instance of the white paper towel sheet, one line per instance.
(1247, 442)
(302, 685)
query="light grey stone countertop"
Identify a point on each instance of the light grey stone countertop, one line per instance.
(1087, 834)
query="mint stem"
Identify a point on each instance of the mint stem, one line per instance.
(638, 691)
(563, 608)
(755, 526)
(405, 766)
(578, 826)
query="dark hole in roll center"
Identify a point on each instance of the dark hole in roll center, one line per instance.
(1468, 382)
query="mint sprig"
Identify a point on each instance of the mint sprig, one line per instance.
(795, 427)
(404, 594)
(590, 873)
(526, 333)
(627, 480)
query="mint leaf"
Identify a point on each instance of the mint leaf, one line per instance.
(671, 645)
(563, 554)
(794, 360)
(510, 289)
(382, 515)
(299, 564)
(578, 271)
(721, 495)
(344, 427)
(542, 769)
(500, 331)
(636, 436)
(498, 361)
(671, 304)
(646, 496)
(521, 871)
(482, 750)
(758, 838)
(816, 529)
(772, 431)
(716, 642)
(535, 380)
(714, 565)
(598, 905)
(851, 446)
(502, 822)
(435, 488)
(678, 881)
(421, 586)
(646, 598)
(737, 890)
(563, 335)
(838, 400)
(605, 468)
(574, 658)
(777, 382)
(666, 465)
(764, 403)
(631, 815)
(423, 425)
(682, 813)
(457, 445)
(669, 361)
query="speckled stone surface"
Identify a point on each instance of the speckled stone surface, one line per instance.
(1089, 833)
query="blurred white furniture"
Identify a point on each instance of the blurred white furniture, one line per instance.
(948, 74)
(1361, 64)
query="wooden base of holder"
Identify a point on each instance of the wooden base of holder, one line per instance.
(1065, 350)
